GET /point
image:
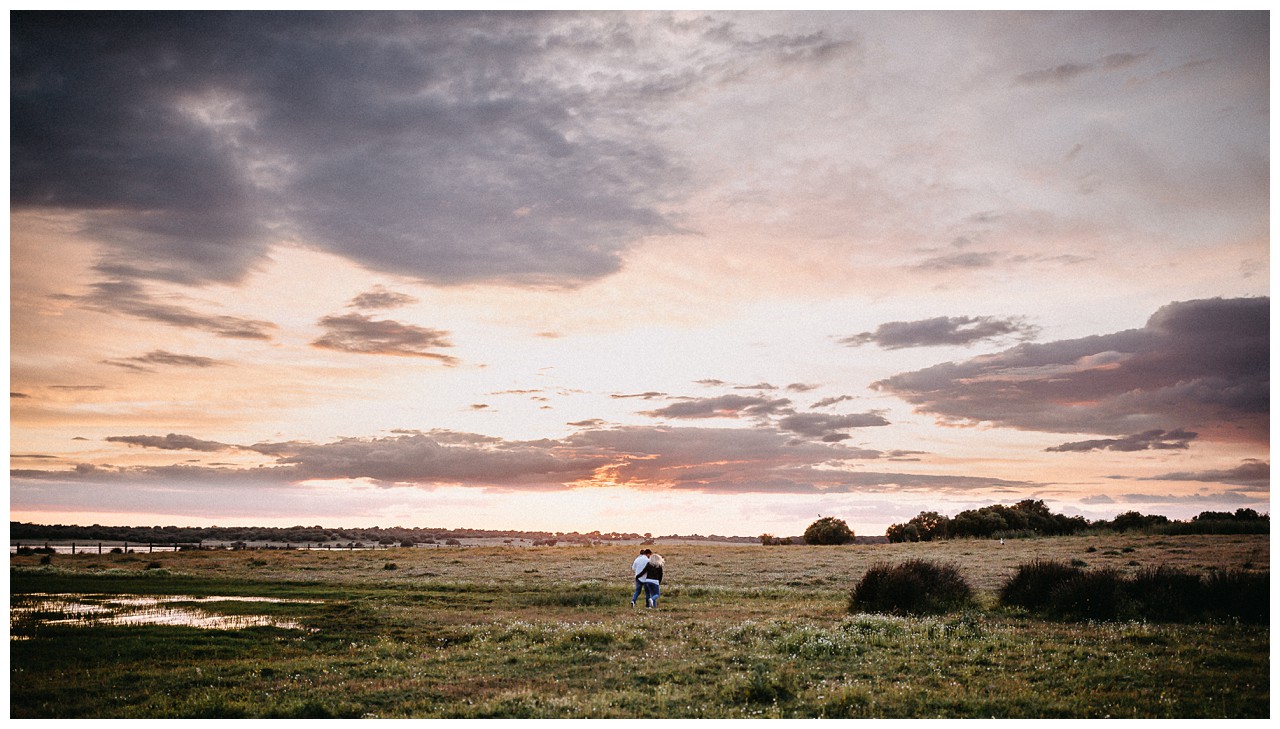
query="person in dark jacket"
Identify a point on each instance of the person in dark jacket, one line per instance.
(651, 577)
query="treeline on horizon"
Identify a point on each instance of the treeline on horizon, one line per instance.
(20, 531)
(1032, 518)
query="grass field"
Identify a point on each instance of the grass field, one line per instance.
(742, 631)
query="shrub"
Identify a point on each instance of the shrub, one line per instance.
(1091, 595)
(1160, 594)
(828, 530)
(1239, 594)
(1032, 584)
(914, 587)
(1165, 593)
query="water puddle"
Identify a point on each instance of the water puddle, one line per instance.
(89, 610)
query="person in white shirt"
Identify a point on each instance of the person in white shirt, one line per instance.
(636, 568)
(651, 578)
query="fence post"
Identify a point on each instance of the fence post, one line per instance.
(99, 547)
(73, 547)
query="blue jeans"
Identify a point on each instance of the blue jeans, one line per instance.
(651, 593)
(636, 595)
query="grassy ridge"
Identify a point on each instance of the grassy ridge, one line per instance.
(743, 632)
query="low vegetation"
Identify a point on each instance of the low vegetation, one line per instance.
(914, 587)
(1158, 593)
(524, 632)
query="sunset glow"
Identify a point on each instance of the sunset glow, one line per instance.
(644, 272)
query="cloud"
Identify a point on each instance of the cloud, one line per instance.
(819, 425)
(18, 395)
(729, 460)
(190, 142)
(719, 460)
(1066, 72)
(432, 458)
(360, 334)
(142, 363)
(132, 299)
(651, 395)
(724, 406)
(943, 331)
(1147, 440)
(1251, 472)
(827, 402)
(1202, 363)
(170, 442)
(380, 297)
(976, 259)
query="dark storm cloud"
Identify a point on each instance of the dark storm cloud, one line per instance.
(147, 362)
(450, 147)
(943, 331)
(1147, 440)
(1203, 363)
(724, 406)
(380, 297)
(360, 334)
(131, 298)
(1249, 473)
(170, 442)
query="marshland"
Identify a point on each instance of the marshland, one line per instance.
(741, 631)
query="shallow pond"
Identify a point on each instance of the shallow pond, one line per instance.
(88, 610)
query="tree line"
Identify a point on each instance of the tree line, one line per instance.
(1031, 517)
(20, 531)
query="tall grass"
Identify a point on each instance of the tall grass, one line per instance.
(1158, 593)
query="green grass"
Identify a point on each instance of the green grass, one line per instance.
(744, 632)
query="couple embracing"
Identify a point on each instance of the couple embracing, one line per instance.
(648, 571)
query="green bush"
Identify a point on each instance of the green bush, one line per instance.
(1239, 594)
(914, 587)
(1032, 584)
(828, 530)
(1163, 594)
(1090, 595)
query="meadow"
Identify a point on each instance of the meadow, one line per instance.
(740, 632)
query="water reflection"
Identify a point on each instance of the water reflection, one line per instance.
(32, 610)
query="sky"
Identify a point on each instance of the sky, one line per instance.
(651, 272)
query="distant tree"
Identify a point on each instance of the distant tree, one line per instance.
(925, 527)
(828, 530)
(1135, 520)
